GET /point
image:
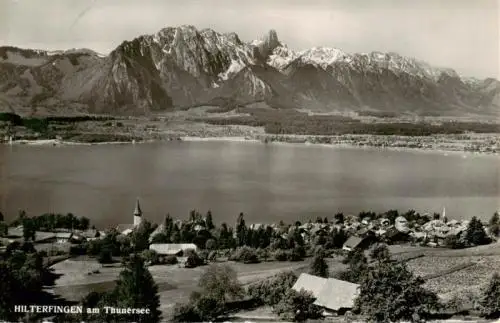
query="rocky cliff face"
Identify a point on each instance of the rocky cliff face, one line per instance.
(184, 66)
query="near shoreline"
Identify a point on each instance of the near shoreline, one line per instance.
(288, 141)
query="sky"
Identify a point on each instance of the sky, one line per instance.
(460, 34)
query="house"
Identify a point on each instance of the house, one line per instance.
(384, 222)
(172, 249)
(72, 237)
(401, 224)
(64, 237)
(358, 243)
(91, 234)
(393, 236)
(333, 295)
(125, 229)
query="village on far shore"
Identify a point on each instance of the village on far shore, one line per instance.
(72, 248)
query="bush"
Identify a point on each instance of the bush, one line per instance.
(211, 244)
(281, 255)
(391, 293)
(490, 304)
(297, 254)
(150, 256)
(246, 255)
(273, 289)
(297, 306)
(105, 256)
(185, 313)
(170, 260)
(193, 260)
(454, 242)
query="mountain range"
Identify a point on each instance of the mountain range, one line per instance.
(180, 67)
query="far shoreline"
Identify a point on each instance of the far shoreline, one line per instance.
(243, 139)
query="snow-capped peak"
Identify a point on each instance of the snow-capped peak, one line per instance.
(281, 57)
(322, 56)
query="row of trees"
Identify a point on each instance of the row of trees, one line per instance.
(51, 221)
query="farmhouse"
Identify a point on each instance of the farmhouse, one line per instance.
(358, 243)
(172, 249)
(333, 295)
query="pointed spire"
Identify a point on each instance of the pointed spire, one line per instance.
(137, 211)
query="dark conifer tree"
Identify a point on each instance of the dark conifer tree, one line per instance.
(136, 289)
(319, 267)
(209, 224)
(490, 303)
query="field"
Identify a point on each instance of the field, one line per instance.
(447, 272)
(453, 272)
(174, 283)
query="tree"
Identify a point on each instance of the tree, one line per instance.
(136, 289)
(272, 290)
(9, 289)
(319, 267)
(150, 256)
(211, 244)
(140, 236)
(193, 259)
(391, 293)
(495, 224)
(297, 306)
(161, 237)
(380, 252)
(217, 285)
(209, 223)
(490, 303)
(241, 230)
(221, 283)
(358, 266)
(29, 230)
(475, 233)
(339, 218)
(4, 229)
(105, 256)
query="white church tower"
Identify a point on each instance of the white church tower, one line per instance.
(137, 214)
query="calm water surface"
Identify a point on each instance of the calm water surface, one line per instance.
(266, 182)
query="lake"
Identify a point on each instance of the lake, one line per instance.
(267, 182)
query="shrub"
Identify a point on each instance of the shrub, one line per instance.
(297, 254)
(245, 254)
(273, 289)
(281, 255)
(170, 260)
(211, 244)
(490, 304)
(454, 242)
(391, 293)
(105, 256)
(150, 256)
(185, 313)
(319, 267)
(297, 306)
(193, 260)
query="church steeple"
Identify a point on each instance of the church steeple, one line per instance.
(137, 213)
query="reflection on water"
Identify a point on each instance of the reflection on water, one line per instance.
(266, 182)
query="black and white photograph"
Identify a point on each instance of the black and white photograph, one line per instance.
(250, 161)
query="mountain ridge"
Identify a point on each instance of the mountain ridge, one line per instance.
(183, 66)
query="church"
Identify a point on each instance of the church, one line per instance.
(126, 229)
